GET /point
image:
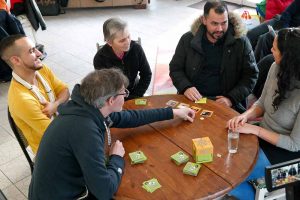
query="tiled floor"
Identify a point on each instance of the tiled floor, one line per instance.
(70, 41)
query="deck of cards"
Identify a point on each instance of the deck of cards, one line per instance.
(142, 102)
(137, 157)
(180, 158)
(191, 169)
(202, 150)
(151, 185)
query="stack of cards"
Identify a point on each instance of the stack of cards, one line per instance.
(180, 158)
(137, 157)
(140, 102)
(191, 169)
(151, 185)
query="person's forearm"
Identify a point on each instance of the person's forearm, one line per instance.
(254, 112)
(267, 135)
(62, 97)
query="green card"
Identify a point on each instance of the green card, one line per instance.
(142, 102)
(180, 158)
(191, 169)
(151, 185)
(137, 157)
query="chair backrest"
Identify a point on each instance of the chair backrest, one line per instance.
(21, 139)
(139, 41)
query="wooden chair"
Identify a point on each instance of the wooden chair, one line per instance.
(21, 139)
(98, 46)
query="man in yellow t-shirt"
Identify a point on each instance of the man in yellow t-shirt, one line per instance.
(34, 93)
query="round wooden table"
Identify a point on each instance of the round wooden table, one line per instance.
(160, 140)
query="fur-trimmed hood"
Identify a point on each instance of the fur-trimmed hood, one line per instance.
(234, 19)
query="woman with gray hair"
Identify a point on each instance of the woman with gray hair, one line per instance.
(123, 53)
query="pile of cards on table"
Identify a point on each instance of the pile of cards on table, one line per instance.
(137, 157)
(191, 169)
(180, 158)
(151, 185)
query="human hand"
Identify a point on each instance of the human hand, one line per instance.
(117, 149)
(50, 108)
(248, 129)
(192, 94)
(223, 100)
(184, 113)
(237, 121)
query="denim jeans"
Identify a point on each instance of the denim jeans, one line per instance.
(245, 190)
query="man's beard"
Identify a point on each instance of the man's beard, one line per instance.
(220, 36)
(35, 67)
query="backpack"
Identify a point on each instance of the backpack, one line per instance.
(50, 7)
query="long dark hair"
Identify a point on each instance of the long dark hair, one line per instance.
(288, 42)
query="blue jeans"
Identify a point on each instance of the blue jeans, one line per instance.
(245, 190)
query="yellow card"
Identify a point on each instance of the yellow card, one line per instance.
(202, 100)
(196, 109)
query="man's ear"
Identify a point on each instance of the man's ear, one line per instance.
(109, 42)
(14, 60)
(203, 20)
(110, 101)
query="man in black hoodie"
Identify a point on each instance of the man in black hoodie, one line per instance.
(71, 160)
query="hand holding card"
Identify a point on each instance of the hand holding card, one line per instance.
(184, 113)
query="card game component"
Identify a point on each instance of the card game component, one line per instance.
(172, 103)
(151, 185)
(142, 102)
(206, 113)
(202, 150)
(182, 105)
(137, 157)
(202, 100)
(180, 158)
(196, 109)
(191, 168)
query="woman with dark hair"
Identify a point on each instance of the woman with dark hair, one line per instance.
(123, 53)
(279, 104)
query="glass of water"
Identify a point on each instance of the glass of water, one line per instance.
(233, 141)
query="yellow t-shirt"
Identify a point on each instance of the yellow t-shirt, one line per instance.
(26, 110)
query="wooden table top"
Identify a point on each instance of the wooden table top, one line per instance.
(160, 140)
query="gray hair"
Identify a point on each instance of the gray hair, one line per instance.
(100, 85)
(111, 27)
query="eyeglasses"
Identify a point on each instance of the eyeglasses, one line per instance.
(126, 94)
